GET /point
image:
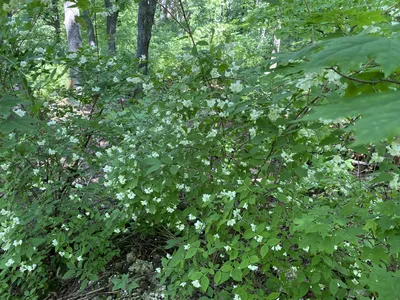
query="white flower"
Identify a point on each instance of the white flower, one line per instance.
(332, 76)
(227, 248)
(16, 243)
(186, 247)
(20, 112)
(375, 158)
(394, 183)
(51, 151)
(23, 64)
(199, 225)
(252, 132)
(252, 267)
(10, 262)
(55, 243)
(306, 248)
(196, 283)
(182, 284)
(142, 58)
(276, 248)
(211, 102)
(237, 297)
(148, 190)
(122, 179)
(394, 149)
(148, 87)
(274, 112)
(258, 238)
(72, 55)
(107, 169)
(158, 270)
(253, 227)
(214, 73)
(254, 115)
(216, 236)
(287, 156)
(61, 253)
(206, 198)
(231, 222)
(120, 196)
(82, 60)
(180, 227)
(236, 87)
(212, 133)
(171, 209)
(95, 89)
(79, 258)
(131, 195)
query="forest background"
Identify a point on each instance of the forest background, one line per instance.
(228, 149)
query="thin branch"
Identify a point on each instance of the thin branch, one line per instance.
(189, 31)
(365, 81)
(173, 17)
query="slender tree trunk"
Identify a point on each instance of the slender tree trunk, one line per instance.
(112, 19)
(89, 24)
(73, 36)
(147, 9)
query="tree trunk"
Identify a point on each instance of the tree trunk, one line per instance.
(112, 19)
(73, 35)
(147, 9)
(89, 24)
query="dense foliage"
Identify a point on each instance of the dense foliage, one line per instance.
(266, 175)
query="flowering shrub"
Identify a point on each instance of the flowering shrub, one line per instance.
(252, 203)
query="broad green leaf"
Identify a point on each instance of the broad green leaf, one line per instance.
(378, 111)
(204, 282)
(25, 124)
(264, 250)
(352, 51)
(236, 274)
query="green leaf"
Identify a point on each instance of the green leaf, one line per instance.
(204, 282)
(236, 274)
(333, 287)
(153, 169)
(352, 51)
(25, 124)
(69, 274)
(378, 111)
(316, 277)
(217, 277)
(264, 250)
(173, 170)
(195, 276)
(386, 284)
(273, 296)
(191, 252)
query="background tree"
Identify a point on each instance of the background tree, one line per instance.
(112, 19)
(147, 9)
(74, 37)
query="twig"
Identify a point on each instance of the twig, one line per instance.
(364, 81)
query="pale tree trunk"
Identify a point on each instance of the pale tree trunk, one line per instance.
(112, 19)
(73, 36)
(147, 9)
(89, 25)
(277, 45)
